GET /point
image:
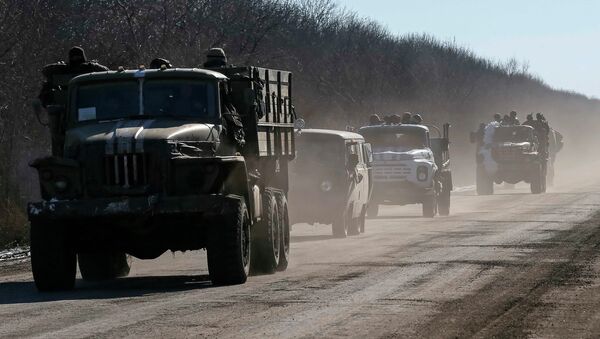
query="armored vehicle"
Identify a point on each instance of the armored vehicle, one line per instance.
(167, 159)
(410, 167)
(331, 181)
(509, 154)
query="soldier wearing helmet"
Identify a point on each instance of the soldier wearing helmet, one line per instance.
(417, 119)
(406, 118)
(497, 118)
(374, 119)
(215, 58)
(54, 90)
(157, 63)
(529, 121)
(512, 118)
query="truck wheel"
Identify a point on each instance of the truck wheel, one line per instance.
(103, 266)
(485, 185)
(266, 240)
(362, 221)
(372, 210)
(53, 260)
(536, 181)
(228, 249)
(444, 202)
(429, 206)
(354, 227)
(340, 226)
(284, 219)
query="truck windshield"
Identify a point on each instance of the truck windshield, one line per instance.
(397, 139)
(513, 134)
(319, 152)
(159, 98)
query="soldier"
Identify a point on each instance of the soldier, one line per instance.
(497, 118)
(406, 118)
(529, 121)
(513, 120)
(157, 63)
(215, 58)
(54, 90)
(58, 75)
(505, 120)
(417, 119)
(374, 119)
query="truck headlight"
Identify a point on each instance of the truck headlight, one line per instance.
(422, 173)
(326, 186)
(61, 184)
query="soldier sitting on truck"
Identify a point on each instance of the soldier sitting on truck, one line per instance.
(157, 63)
(52, 86)
(374, 119)
(406, 118)
(512, 119)
(215, 58)
(417, 119)
(529, 121)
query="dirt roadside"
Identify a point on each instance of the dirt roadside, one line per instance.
(556, 293)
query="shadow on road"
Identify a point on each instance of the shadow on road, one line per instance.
(305, 238)
(25, 291)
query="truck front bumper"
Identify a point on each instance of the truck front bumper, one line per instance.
(153, 205)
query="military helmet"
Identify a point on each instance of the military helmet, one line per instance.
(530, 116)
(216, 53)
(513, 114)
(157, 63)
(539, 116)
(497, 117)
(418, 118)
(76, 55)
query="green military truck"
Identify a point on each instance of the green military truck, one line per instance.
(166, 159)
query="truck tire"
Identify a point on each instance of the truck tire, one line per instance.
(372, 210)
(266, 240)
(485, 185)
(354, 226)
(103, 266)
(284, 219)
(53, 260)
(362, 220)
(536, 181)
(443, 202)
(228, 249)
(341, 224)
(429, 206)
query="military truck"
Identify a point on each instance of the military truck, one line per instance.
(410, 167)
(509, 154)
(167, 159)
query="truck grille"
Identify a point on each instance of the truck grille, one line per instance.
(391, 173)
(506, 153)
(126, 170)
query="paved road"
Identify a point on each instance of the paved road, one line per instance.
(507, 265)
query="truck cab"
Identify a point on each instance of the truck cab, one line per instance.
(331, 181)
(409, 167)
(167, 159)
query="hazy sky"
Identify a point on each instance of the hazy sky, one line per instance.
(560, 40)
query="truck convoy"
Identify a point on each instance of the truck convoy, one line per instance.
(166, 159)
(410, 167)
(510, 154)
(331, 180)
